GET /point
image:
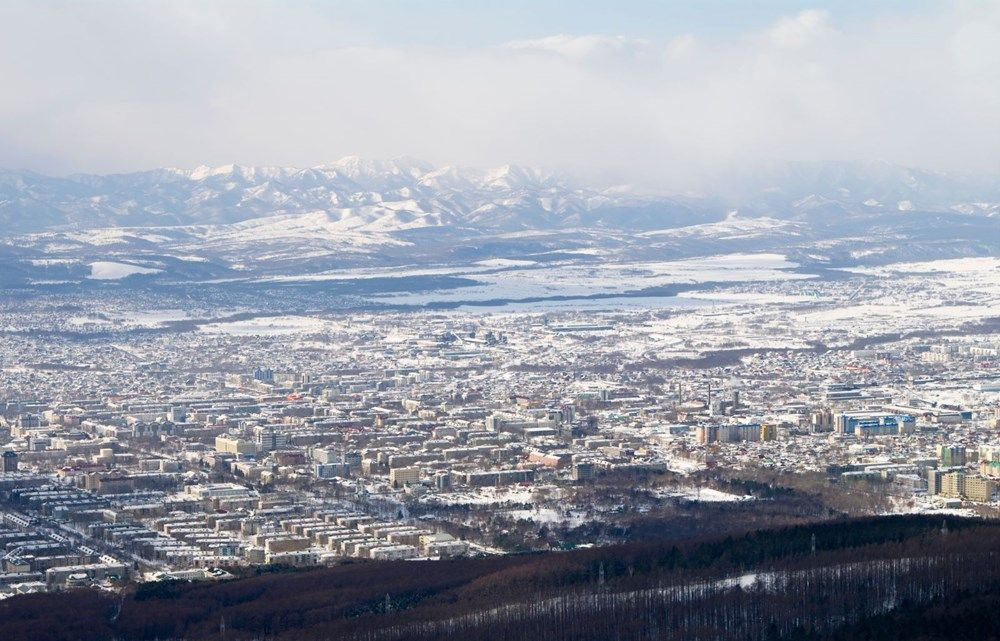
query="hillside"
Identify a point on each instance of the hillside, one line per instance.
(830, 580)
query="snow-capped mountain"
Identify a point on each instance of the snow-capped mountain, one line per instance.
(401, 193)
(860, 187)
(405, 193)
(237, 222)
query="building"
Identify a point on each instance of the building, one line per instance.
(393, 552)
(9, 461)
(822, 420)
(219, 491)
(583, 471)
(769, 432)
(970, 487)
(442, 480)
(498, 477)
(706, 434)
(990, 468)
(403, 476)
(840, 392)
(980, 489)
(953, 485)
(550, 459)
(330, 470)
(868, 424)
(57, 577)
(934, 481)
(234, 445)
(327, 455)
(269, 439)
(951, 455)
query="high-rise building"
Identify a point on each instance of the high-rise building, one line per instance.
(979, 488)
(9, 461)
(269, 439)
(934, 481)
(403, 476)
(583, 470)
(951, 455)
(822, 420)
(953, 485)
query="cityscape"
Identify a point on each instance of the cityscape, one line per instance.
(133, 455)
(414, 320)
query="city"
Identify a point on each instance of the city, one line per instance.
(424, 320)
(305, 440)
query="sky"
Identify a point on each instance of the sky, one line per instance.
(642, 92)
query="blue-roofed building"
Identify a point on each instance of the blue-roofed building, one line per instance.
(867, 424)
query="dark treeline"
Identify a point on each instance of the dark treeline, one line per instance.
(781, 604)
(960, 616)
(808, 581)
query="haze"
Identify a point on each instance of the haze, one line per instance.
(656, 97)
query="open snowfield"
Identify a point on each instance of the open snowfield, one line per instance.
(581, 280)
(268, 326)
(108, 270)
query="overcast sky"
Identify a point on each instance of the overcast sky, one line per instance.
(647, 92)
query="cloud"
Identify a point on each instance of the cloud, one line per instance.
(801, 29)
(681, 46)
(585, 47)
(117, 87)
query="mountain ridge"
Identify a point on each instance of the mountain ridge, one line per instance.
(505, 198)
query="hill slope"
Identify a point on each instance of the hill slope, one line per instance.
(814, 581)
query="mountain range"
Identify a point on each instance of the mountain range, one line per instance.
(404, 193)
(352, 193)
(237, 221)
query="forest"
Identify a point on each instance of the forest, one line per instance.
(863, 578)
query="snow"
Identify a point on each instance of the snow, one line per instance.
(107, 270)
(988, 265)
(115, 236)
(505, 262)
(267, 326)
(486, 496)
(706, 495)
(585, 280)
(758, 298)
(548, 516)
(733, 227)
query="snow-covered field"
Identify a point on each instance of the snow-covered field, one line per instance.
(268, 326)
(706, 495)
(581, 280)
(487, 496)
(571, 518)
(109, 270)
